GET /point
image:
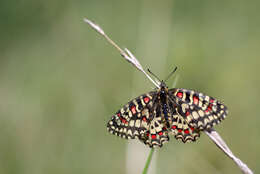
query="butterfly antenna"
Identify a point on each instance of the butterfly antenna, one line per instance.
(157, 78)
(171, 73)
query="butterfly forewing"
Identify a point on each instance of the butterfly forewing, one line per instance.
(133, 120)
(198, 110)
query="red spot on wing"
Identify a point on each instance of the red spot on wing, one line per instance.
(164, 128)
(179, 94)
(211, 100)
(186, 131)
(144, 119)
(133, 109)
(118, 114)
(187, 113)
(160, 133)
(195, 100)
(174, 127)
(209, 108)
(123, 120)
(153, 136)
(179, 130)
(192, 128)
(146, 100)
(147, 134)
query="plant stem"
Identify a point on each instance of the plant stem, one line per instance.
(148, 161)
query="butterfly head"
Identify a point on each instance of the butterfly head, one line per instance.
(163, 88)
(163, 85)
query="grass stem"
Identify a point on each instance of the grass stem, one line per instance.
(148, 161)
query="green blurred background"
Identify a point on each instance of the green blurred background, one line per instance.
(60, 82)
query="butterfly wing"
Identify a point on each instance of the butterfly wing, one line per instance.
(140, 118)
(198, 111)
(157, 133)
(180, 127)
(133, 119)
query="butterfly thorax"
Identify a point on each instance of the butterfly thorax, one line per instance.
(162, 94)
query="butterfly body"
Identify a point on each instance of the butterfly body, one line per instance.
(153, 116)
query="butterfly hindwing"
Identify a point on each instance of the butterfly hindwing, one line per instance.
(179, 126)
(157, 133)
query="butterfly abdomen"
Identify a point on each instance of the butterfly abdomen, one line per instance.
(163, 93)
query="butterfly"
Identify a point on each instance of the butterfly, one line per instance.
(153, 116)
